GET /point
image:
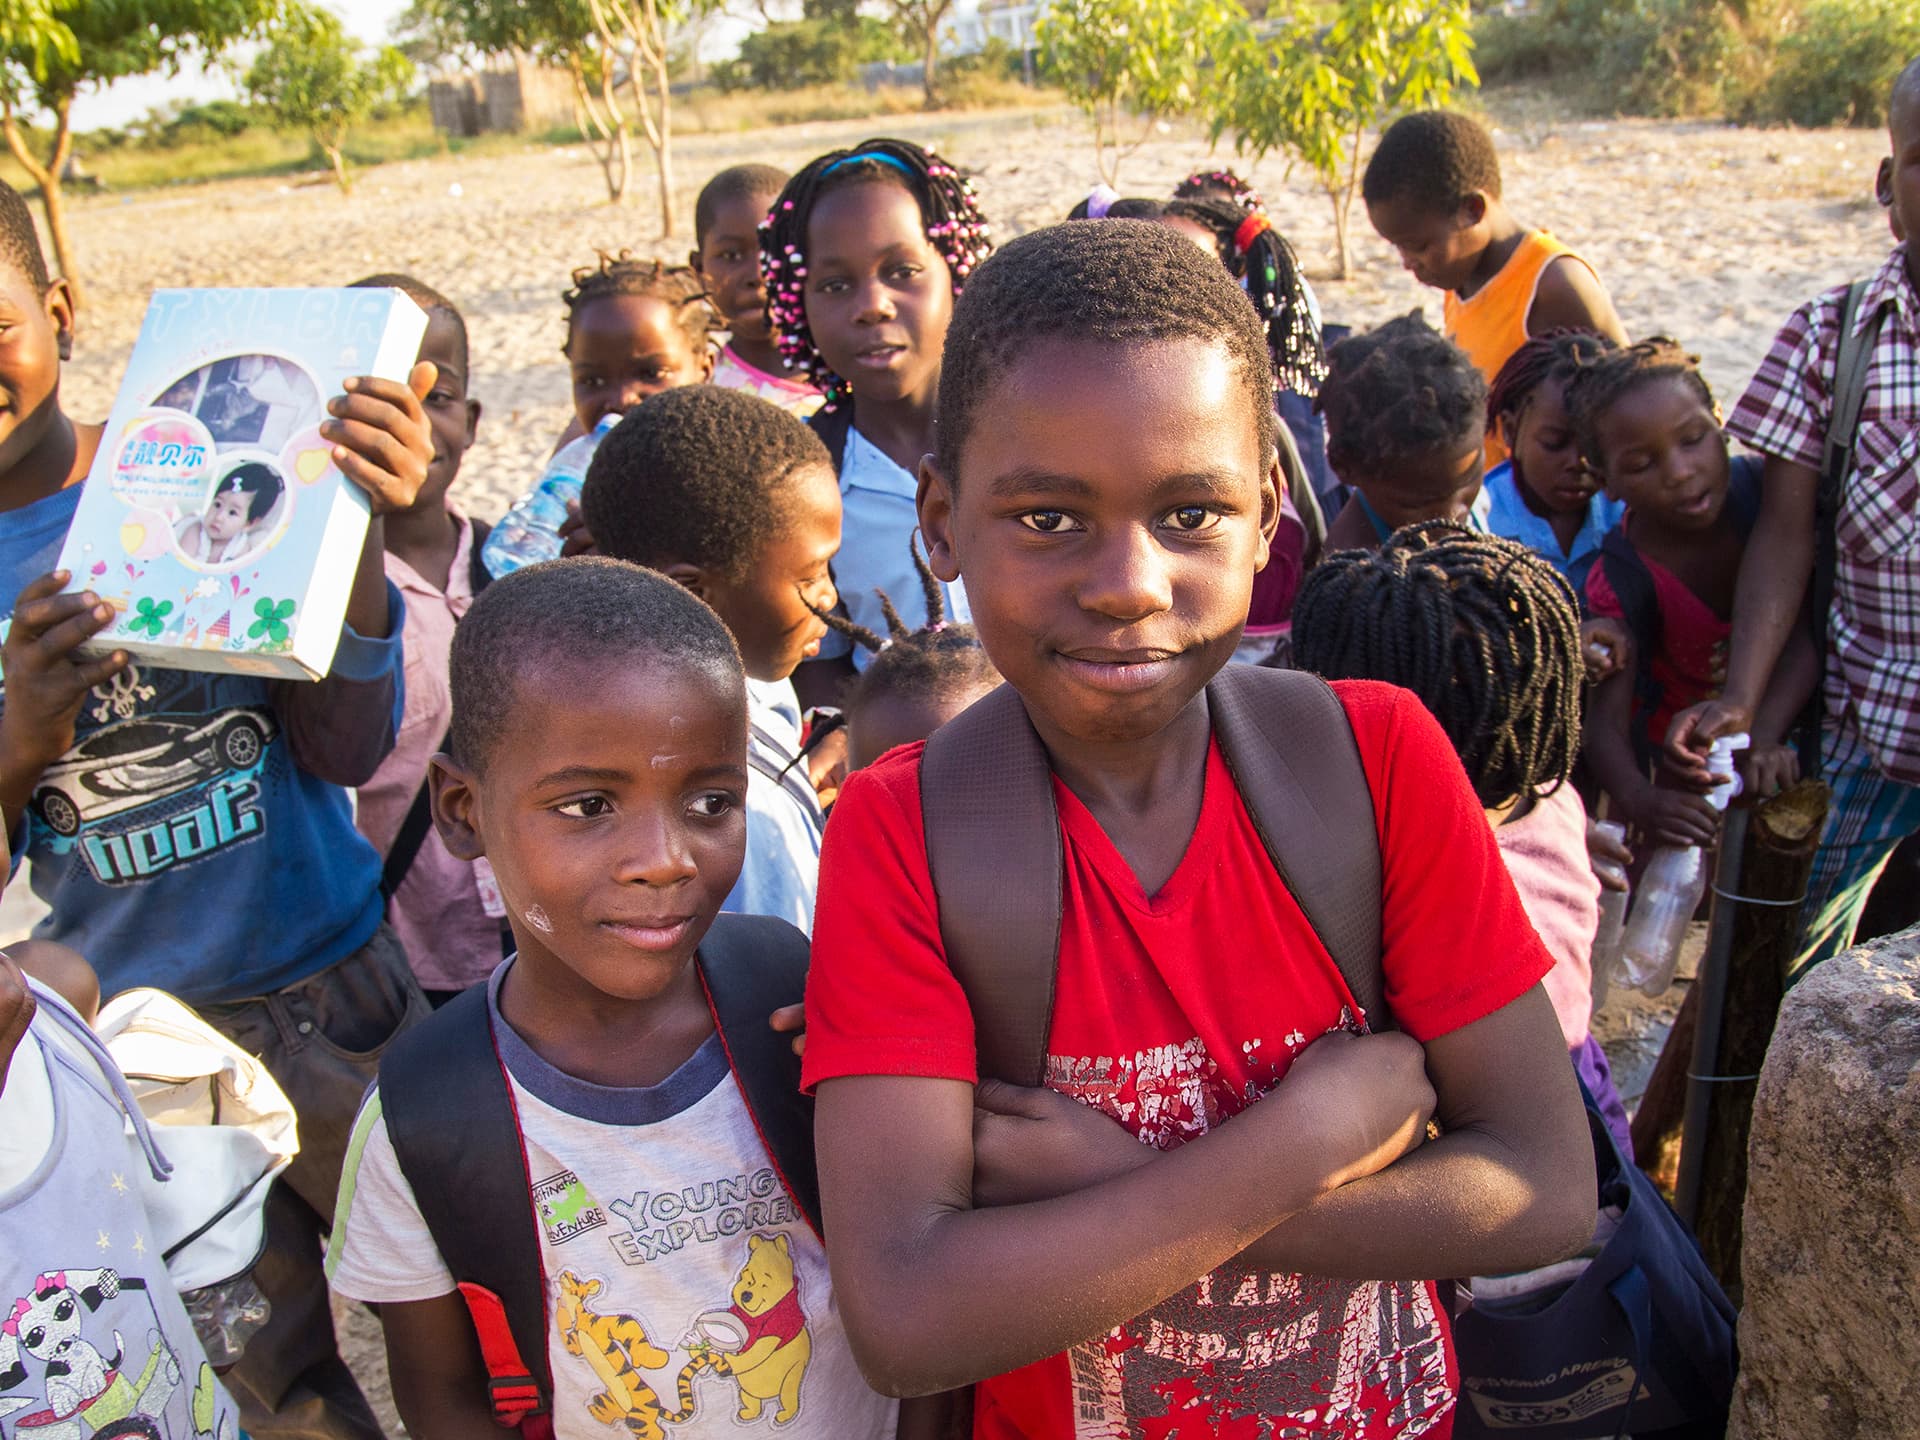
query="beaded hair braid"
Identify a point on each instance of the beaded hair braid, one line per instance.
(948, 207)
(1598, 383)
(1554, 357)
(1482, 629)
(1259, 257)
(1215, 184)
(679, 287)
(938, 656)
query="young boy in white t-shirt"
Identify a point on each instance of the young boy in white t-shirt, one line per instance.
(599, 760)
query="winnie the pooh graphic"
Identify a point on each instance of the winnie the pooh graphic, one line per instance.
(771, 1359)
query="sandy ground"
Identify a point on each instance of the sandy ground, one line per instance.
(1706, 232)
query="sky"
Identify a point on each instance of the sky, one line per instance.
(130, 99)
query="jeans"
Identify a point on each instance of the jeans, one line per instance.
(321, 1038)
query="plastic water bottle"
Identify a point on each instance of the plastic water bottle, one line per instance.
(1671, 889)
(1613, 914)
(530, 530)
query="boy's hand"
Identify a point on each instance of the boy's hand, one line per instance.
(1367, 1096)
(1608, 857)
(827, 766)
(1606, 647)
(792, 1020)
(575, 537)
(1768, 769)
(1694, 730)
(382, 440)
(1034, 1144)
(16, 1013)
(46, 681)
(1675, 817)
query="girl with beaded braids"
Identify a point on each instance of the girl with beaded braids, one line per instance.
(634, 328)
(1220, 185)
(1487, 635)
(863, 254)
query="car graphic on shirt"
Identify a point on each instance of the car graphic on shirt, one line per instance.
(150, 758)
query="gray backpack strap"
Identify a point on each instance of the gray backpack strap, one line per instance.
(993, 846)
(1294, 760)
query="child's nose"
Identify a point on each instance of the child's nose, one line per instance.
(655, 852)
(875, 302)
(1129, 579)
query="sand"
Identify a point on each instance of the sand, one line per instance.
(1703, 231)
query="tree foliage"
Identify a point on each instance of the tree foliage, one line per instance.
(51, 49)
(1837, 66)
(1311, 83)
(1132, 64)
(312, 76)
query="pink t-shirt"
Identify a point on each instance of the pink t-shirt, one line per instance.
(437, 912)
(1546, 855)
(790, 393)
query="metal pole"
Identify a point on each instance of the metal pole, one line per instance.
(1712, 980)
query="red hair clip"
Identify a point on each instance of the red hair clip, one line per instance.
(1251, 229)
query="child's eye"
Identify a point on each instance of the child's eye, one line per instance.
(1047, 522)
(1194, 518)
(907, 272)
(713, 805)
(587, 807)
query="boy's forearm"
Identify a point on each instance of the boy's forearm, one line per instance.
(1028, 1281)
(367, 612)
(1773, 581)
(1795, 677)
(1608, 751)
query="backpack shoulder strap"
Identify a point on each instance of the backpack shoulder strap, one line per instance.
(1291, 750)
(451, 1119)
(1633, 587)
(751, 965)
(833, 427)
(986, 796)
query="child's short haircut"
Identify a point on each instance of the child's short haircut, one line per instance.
(1211, 184)
(423, 295)
(736, 182)
(1435, 159)
(1483, 630)
(256, 480)
(678, 287)
(1259, 257)
(938, 658)
(19, 241)
(1401, 389)
(576, 611)
(699, 475)
(1555, 357)
(1111, 283)
(949, 210)
(1603, 380)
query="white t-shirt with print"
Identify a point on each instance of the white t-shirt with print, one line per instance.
(683, 1286)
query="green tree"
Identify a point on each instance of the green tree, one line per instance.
(312, 76)
(1311, 82)
(50, 50)
(1132, 64)
(918, 22)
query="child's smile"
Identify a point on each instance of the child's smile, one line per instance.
(1109, 521)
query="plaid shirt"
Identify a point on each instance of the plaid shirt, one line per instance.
(1873, 629)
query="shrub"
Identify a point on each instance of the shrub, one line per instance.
(1837, 65)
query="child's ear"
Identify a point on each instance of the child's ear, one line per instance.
(707, 360)
(690, 576)
(1270, 489)
(1473, 209)
(473, 420)
(63, 315)
(693, 262)
(455, 795)
(934, 501)
(1883, 182)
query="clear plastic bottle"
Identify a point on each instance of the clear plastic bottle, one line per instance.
(1671, 889)
(530, 530)
(1613, 914)
(226, 1316)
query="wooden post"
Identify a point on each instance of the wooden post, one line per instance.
(1781, 840)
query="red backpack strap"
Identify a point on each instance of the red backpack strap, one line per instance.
(450, 1116)
(993, 848)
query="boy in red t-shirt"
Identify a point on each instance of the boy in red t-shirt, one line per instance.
(1171, 1272)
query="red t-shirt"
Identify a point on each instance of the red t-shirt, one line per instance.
(1174, 1012)
(1690, 663)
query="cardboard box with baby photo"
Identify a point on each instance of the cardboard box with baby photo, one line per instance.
(214, 520)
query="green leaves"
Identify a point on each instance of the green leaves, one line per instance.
(270, 620)
(313, 76)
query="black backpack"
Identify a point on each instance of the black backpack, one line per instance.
(450, 1115)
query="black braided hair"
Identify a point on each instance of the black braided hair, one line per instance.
(1222, 185)
(1398, 390)
(948, 208)
(1553, 357)
(19, 241)
(938, 658)
(1598, 383)
(1483, 630)
(679, 287)
(1434, 158)
(1259, 257)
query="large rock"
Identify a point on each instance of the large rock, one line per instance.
(1830, 1337)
